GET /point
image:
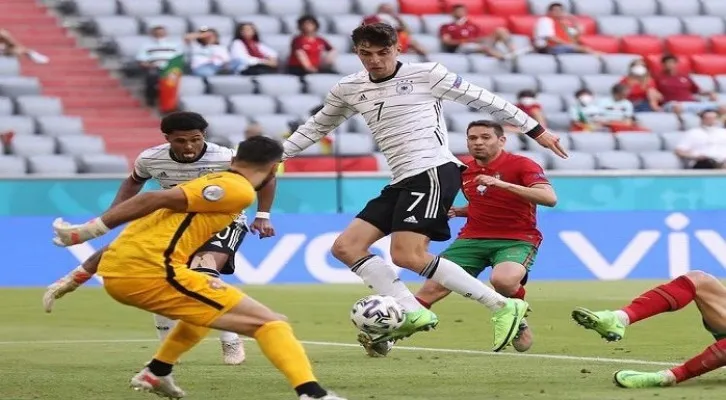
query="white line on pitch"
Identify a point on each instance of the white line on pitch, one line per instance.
(405, 348)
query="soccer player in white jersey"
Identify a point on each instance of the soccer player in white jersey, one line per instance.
(186, 156)
(401, 104)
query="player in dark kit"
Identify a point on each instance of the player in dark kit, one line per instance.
(705, 290)
(503, 191)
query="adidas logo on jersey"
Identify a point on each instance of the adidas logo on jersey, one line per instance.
(363, 97)
(162, 174)
(411, 220)
(217, 243)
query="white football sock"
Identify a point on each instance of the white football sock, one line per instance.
(623, 317)
(228, 337)
(382, 278)
(455, 278)
(164, 325)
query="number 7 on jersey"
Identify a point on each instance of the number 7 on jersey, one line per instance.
(380, 108)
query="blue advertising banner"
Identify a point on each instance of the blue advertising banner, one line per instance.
(577, 246)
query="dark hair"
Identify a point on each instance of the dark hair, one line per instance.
(498, 130)
(306, 18)
(618, 88)
(668, 57)
(582, 91)
(526, 93)
(183, 121)
(238, 29)
(555, 4)
(378, 34)
(706, 111)
(259, 150)
(214, 31)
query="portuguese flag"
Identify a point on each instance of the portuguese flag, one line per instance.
(169, 84)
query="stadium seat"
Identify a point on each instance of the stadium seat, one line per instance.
(116, 25)
(102, 164)
(30, 145)
(593, 8)
(275, 125)
(459, 122)
(420, 7)
(550, 102)
(618, 25)
(680, 8)
(705, 82)
(53, 164)
(287, 7)
(657, 121)
(223, 24)
(565, 142)
(640, 8)
(562, 84)
(577, 161)
(473, 7)
(341, 43)
(671, 140)
(204, 104)
(13, 165)
(579, 64)
(641, 44)
(189, 7)
(636, 142)
(236, 7)
(6, 107)
(77, 145)
(522, 24)
(514, 83)
(451, 107)
(714, 7)
(690, 121)
(542, 159)
(9, 66)
(226, 125)
(190, 85)
(91, 8)
(20, 125)
(250, 105)
(279, 84)
(703, 25)
(329, 7)
(654, 64)
(618, 160)
(514, 143)
(718, 44)
(230, 85)
(432, 23)
(660, 160)
(558, 121)
(589, 25)
(60, 125)
(454, 62)
(348, 64)
(265, 24)
(431, 43)
(593, 142)
(709, 64)
(344, 24)
(368, 7)
(144, 8)
(539, 7)
(720, 82)
(320, 84)
(487, 23)
(13, 86)
(686, 44)
(175, 26)
(127, 47)
(413, 23)
(36, 106)
(510, 97)
(600, 84)
(299, 104)
(457, 143)
(482, 64)
(481, 80)
(536, 64)
(505, 8)
(602, 43)
(280, 43)
(662, 26)
(353, 144)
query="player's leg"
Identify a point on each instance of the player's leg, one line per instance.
(72, 280)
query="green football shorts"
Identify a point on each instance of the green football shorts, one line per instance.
(474, 255)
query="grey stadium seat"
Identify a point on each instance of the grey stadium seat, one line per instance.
(128, 46)
(539, 7)
(481, 80)
(280, 43)
(230, 85)
(413, 23)
(513, 83)
(459, 122)
(661, 25)
(658, 121)
(636, 142)
(432, 22)
(671, 139)
(226, 124)
(276, 85)
(102, 164)
(226, 141)
(265, 24)
(6, 106)
(13, 165)
(141, 8)
(482, 64)
(409, 58)
(618, 64)
(236, 7)
(36, 106)
(341, 43)
(356, 123)
(637, 8)
(579, 64)
(223, 24)
(348, 64)
(562, 84)
(13, 86)
(721, 83)
(457, 143)
(714, 7)
(190, 85)
(457, 63)
(117, 25)
(618, 160)
(705, 82)
(252, 104)
(536, 64)
(299, 104)
(204, 104)
(558, 121)
(618, 25)
(274, 125)
(704, 25)
(344, 24)
(600, 84)
(593, 8)
(52, 165)
(60, 125)
(514, 143)
(289, 24)
(320, 84)
(80, 144)
(330, 7)
(550, 102)
(90, 8)
(565, 141)
(680, 8)
(593, 142)
(542, 159)
(509, 97)
(431, 43)
(577, 161)
(21, 125)
(9, 66)
(690, 121)
(660, 160)
(175, 26)
(354, 144)
(189, 7)
(287, 7)
(29, 145)
(368, 7)
(451, 107)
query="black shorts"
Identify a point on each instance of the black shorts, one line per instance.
(417, 204)
(226, 241)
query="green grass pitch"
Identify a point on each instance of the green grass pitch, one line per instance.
(90, 346)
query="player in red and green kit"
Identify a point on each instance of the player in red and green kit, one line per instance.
(503, 191)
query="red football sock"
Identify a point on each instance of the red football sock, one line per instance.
(423, 302)
(519, 294)
(672, 296)
(713, 357)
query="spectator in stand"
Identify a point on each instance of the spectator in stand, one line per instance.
(462, 35)
(11, 47)
(310, 53)
(679, 90)
(207, 56)
(584, 113)
(249, 55)
(153, 57)
(643, 93)
(616, 112)
(527, 102)
(387, 14)
(559, 32)
(704, 147)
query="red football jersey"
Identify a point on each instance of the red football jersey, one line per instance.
(496, 213)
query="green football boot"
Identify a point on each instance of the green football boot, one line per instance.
(506, 322)
(606, 323)
(636, 379)
(421, 320)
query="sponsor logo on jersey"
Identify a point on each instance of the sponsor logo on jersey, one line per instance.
(458, 81)
(363, 97)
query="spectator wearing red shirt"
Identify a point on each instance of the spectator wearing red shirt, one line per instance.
(387, 14)
(310, 53)
(464, 36)
(680, 91)
(527, 102)
(641, 88)
(558, 33)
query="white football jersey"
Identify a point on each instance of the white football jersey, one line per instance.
(159, 164)
(404, 113)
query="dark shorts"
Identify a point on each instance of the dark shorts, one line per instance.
(716, 335)
(226, 241)
(417, 204)
(475, 255)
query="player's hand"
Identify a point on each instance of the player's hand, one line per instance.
(488, 180)
(552, 142)
(452, 212)
(263, 227)
(69, 234)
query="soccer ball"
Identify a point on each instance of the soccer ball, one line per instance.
(377, 314)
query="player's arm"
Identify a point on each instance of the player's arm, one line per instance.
(462, 211)
(534, 186)
(540, 194)
(335, 110)
(132, 185)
